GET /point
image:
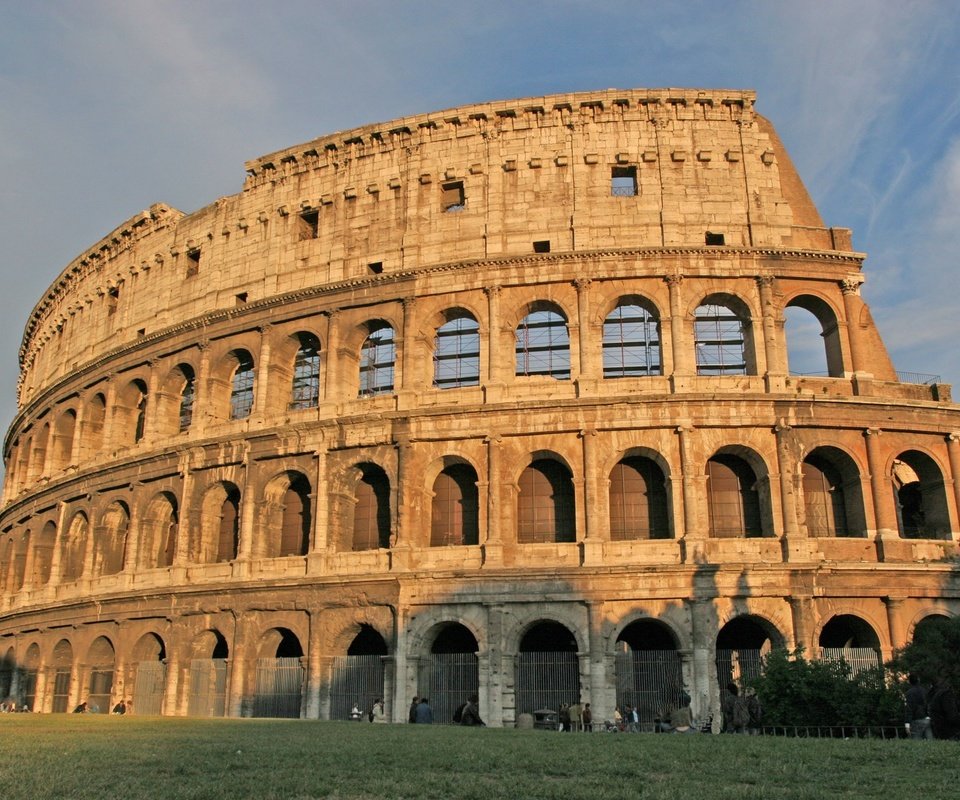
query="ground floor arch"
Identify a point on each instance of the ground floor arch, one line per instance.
(851, 639)
(447, 674)
(208, 675)
(278, 685)
(741, 646)
(649, 671)
(357, 678)
(547, 668)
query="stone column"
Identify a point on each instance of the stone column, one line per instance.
(493, 546)
(188, 522)
(203, 390)
(772, 347)
(409, 382)
(705, 691)
(492, 689)
(589, 372)
(691, 530)
(333, 356)
(152, 418)
(953, 453)
(602, 696)
(852, 306)
(793, 535)
(315, 665)
(319, 536)
(262, 373)
(402, 538)
(593, 531)
(493, 374)
(898, 634)
(683, 364)
(801, 612)
(880, 488)
(57, 556)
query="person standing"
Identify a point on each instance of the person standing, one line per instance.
(944, 716)
(424, 714)
(917, 720)
(586, 717)
(412, 715)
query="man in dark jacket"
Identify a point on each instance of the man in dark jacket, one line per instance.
(915, 712)
(944, 717)
(471, 713)
(424, 712)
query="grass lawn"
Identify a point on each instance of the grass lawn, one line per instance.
(101, 756)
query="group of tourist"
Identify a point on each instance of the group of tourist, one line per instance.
(421, 713)
(576, 717)
(10, 706)
(742, 713)
(931, 712)
(122, 707)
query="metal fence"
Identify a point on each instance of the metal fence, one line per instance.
(545, 680)
(208, 687)
(279, 687)
(448, 679)
(101, 686)
(355, 680)
(738, 666)
(858, 658)
(28, 687)
(61, 691)
(649, 680)
(149, 687)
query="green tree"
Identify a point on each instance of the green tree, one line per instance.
(933, 653)
(795, 691)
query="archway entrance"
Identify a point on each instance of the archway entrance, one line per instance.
(279, 684)
(62, 670)
(548, 670)
(208, 676)
(101, 658)
(850, 639)
(357, 678)
(648, 669)
(741, 645)
(151, 680)
(448, 676)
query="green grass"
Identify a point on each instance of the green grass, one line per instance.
(97, 757)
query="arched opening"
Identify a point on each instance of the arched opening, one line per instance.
(305, 386)
(19, 546)
(733, 499)
(74, 548)
(208, 675)
(741, 645)
(929, 626)
(449, 675)
(62, 670)
(279, 678)
(241, 385)
(543, 345)
(159, 530)
(7, 666)
(38, 460)
(922, 511)
(378, 355)
(295, 517)
(63, 434)
(454, 518)
(638, 500)
(149, 658)
(813, 338)
(111, 542)
(456, 352)
(545, 503)
(220, 524)
(28, 677)
(101, 659)
(850, 639)
(43, 554)
(357, 677)
(649, 672)
(832, 494)
(548, 669)
(93, 425)
(371, 511)
(187, 396)
(130, 414)
(722, 338)
(631, 341)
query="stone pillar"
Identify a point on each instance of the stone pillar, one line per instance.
(953, 453)
(683, 364)
(203, 398)
(493, 546)
(409, 381)
(852, 306)
(593, 531)
(319, 538)
(493, 682)
(801, 612)
(109, 415)
(79, 426)
(898, 634)
(152, 418)
(333, 356)
(171, 691)
(189, 519)
(796, 546)
(58, 542)
(602, 695)
(880, 488)
(705, 691)
(493, 374)
(251, 508)
(262, 373)
(772, 347)
(589, 371)
(315, 665)
(389, 686)
(403, 536)
(691, 530)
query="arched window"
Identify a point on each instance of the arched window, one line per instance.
(832, 494)
(63, 438)
(305, 391)
(371, 517)
(638, 501)
(733, 498)
(631, 343)
(228, 539)
(922, 511)
(543, 345)
(377, 357)
(295, 520)
(456, 354)
(813, 338)
(43, 554)
(241, 391)
(454, 517)
(110, 544)
(159, 529)
(92, 438)
(187, 397)
(545, 507)
(74, 549)
(720, 340)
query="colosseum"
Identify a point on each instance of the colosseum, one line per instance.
(491, 400)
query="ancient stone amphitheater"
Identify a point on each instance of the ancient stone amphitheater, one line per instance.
(495, 399)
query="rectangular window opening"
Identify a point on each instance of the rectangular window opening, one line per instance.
(453, 198)
(714, 239)
(375, 267)
(542, 246)
(193, 262)
(623, 181)
(309, 224)
(113, 296)
(141, 332)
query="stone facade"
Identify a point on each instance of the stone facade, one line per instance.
(494, 383)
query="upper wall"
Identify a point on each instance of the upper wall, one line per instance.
(385, 199)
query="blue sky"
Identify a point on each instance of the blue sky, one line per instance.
(107, 106)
